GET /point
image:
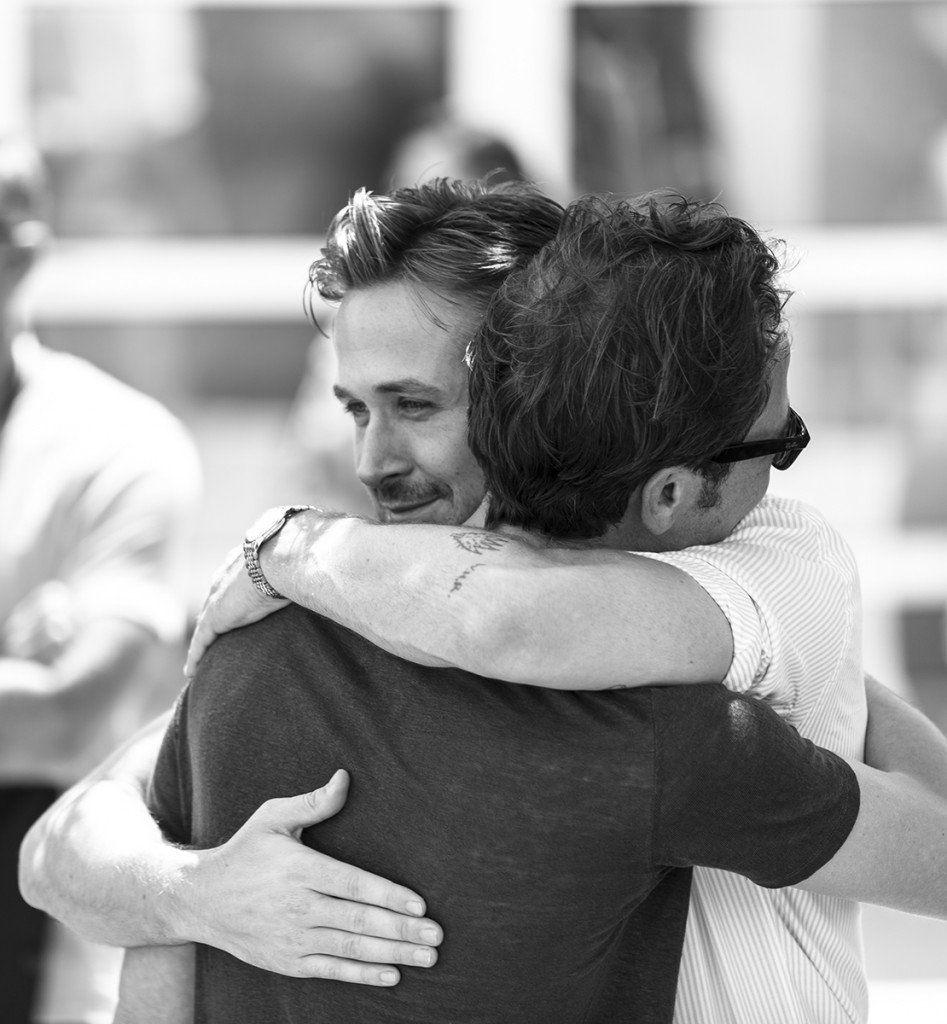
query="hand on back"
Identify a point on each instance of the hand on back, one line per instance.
(271, 901)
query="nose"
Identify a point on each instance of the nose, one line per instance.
(380, 453)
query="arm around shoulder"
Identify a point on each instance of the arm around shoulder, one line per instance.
(502, 605)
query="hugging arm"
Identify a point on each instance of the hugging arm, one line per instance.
(72, 859)
(496, 604)
(902, 739)
(98, 861)
(157, 986)
(896, 854)
(761, 800)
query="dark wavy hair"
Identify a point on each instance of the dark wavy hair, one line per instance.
(459, 239)
(641, 337)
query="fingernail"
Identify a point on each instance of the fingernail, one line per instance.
(415, 907)
(424, 957)
(389, 977)
(430, 935)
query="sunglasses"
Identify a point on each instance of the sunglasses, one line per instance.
(785, 448)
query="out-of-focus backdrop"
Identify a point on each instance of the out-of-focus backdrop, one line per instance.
(198, 151)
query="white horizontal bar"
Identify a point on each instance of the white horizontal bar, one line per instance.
(173, 280)
(535, 5)
(901, 566)
(897, 267)
(223, 279)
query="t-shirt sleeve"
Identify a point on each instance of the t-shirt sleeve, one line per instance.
(736, 788)
(169, 792)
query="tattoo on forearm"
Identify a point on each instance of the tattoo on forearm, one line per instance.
(478, 543)
(459, 582)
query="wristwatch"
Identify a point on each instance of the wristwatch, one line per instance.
(268, 525)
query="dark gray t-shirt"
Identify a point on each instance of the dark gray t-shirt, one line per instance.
(550, 832)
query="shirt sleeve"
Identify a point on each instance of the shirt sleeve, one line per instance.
(752, 644)
(740, 790)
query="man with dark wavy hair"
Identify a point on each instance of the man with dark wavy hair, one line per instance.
(513, 804)
(644, 336)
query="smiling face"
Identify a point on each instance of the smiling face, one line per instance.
(402, 378)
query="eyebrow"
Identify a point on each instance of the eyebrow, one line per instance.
(404, 386)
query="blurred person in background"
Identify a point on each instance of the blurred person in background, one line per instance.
(442, 145)
(98, 489)
(392, 421)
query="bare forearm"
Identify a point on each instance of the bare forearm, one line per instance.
(896, 855)
(157, 986)
(97, 861)
(500, 606)
(902, 739)
(342, 568)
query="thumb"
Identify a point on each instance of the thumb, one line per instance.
(294, 813)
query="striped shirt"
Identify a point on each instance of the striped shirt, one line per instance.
(788, 584)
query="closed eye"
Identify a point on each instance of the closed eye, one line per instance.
(354, 408)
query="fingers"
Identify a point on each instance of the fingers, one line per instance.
(359, 952)
(350, 971)
(363, 889)
(294, 813)
(351, 886)
(368, 925)
(341, 955)
(204, 635)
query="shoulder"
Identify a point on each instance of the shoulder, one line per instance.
(99, 396)
(103, 423)
(793, 533)
(787, 518)
(726, 736)
(711, 723)
(778, 539)
(291, 639)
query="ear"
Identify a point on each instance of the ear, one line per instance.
(667, 497)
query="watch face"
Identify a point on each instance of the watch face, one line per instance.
(270, 520)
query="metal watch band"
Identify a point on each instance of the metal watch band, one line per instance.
(255, 539)
(251, 558)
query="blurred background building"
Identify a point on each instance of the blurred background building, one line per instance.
(198, 151)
